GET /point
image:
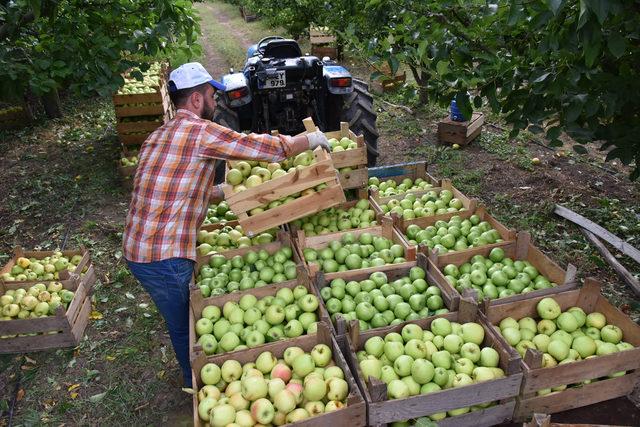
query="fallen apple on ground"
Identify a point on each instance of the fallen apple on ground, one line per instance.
(392, 188)
(251, 270)
(251, 322)
(564, 337)
(227, 237)
(454, 235)
(496, 276)
(417, 361)
(336, 219)
(272, 391)
(219, 213)
(432, 203)
(353, 252)
(376, 302)
(45, 269)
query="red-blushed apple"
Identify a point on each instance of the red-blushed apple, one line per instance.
(262, 411)
(296, 389)
(254, 388)
(285, 401)
(238, 402)
(282, 371)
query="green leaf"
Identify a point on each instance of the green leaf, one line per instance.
(553, 132)
(442, 67)
(600, 8)
(36, 6)
(477, 101)
(554, 5)
(592, 51)
(462, 100)
(541, 78)
(617, 45)
(580, 149)
(583, 17)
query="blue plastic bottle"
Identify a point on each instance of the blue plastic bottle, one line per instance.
(456, 114)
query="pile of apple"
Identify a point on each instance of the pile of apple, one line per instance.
(496, 276)
(376, 303)
(44, 269)
(418, 361)
(10, 110)
(392, 188)
(129, 161)
(563, 336)
(336, 219)
(248, 174)
(149, 83)
(352, 253)
(251, 322)
(227, 237)
(432, 203)
(272, 391)
(454, 235)
(219, 213)
(39, 300)
(342, 145)
(253, 270)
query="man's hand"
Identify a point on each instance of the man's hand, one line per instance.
(317, 139)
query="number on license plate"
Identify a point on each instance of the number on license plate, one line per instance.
(279, 80)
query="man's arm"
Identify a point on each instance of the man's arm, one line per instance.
(219, 142)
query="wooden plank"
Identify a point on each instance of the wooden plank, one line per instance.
(299, 208)
(398, 172)
(571, 398)
(491, 416)
(613, 262)
(357, 178)
(599, 231)
(126, 127)
(20, 252)
(35, 343)
(142, 110)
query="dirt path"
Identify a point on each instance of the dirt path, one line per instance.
(213, 61)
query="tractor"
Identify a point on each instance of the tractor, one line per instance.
(279, 87)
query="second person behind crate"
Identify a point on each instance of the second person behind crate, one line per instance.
(172, 189)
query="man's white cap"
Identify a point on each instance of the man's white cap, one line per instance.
(190, 75)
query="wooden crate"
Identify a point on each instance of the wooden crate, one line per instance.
(507, 234)
(355, 158)
(353, 415)
(126, 173)
(388, 83)
(504, 390)
(392, 271)
(538, 378)
(346, 205)
(64, 329)
(467, 203)
(385, 229)
(520, 249)
(320, 35)
(247, 15)
(18, 252)
(398, 172)
(322, 51)
(196, 306)
(320, 172)
(15, 119)
(461, 133)
(283, 239)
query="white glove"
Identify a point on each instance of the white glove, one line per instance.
(317, 139)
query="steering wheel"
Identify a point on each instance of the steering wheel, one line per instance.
(262, 43)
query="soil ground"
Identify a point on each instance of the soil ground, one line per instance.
(59, 188)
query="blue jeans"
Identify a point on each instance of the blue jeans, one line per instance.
(167, 282)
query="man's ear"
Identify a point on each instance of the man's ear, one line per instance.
(196, 100)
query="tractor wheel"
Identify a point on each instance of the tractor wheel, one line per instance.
(225, 116)
(357, 109)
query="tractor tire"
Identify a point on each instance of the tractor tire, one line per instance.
(225, 116)
(357, 109)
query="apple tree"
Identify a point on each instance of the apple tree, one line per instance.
(48, 45)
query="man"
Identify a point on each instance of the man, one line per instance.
(172, 188)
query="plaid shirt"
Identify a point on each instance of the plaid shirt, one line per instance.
(174, 179)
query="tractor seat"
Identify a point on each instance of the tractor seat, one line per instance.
(282, 49)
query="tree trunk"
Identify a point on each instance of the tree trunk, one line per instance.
(421, 80)
(51, 103)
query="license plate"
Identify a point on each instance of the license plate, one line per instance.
(274, 82)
